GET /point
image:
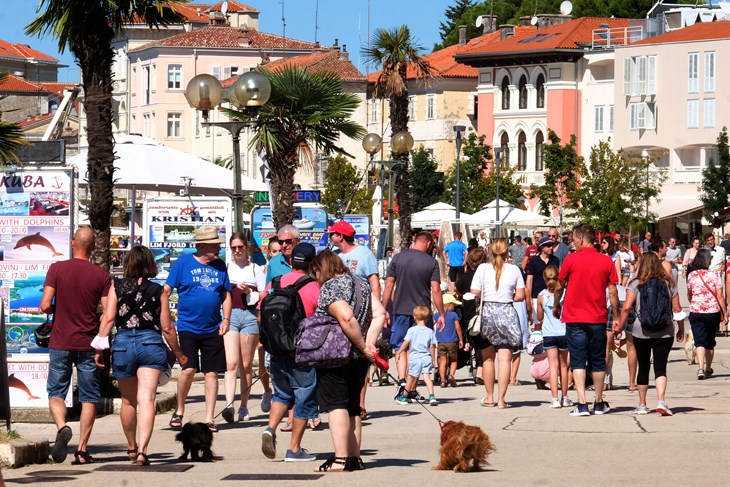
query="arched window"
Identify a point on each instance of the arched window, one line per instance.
(505, 93)
(522, 152)
(539, 143)
(540, 87)
(523, 92)
(504, 145)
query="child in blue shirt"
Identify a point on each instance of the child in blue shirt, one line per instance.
(449, 341)
(421, 343)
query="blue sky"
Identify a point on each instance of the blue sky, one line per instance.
(346, 20)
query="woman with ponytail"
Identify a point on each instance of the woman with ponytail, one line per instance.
(499, 285)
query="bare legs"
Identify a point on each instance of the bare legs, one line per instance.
(488, 355)
(240, 349)
(185, 380)
(248, 347)
(139, 392)
(505, 357)
(558, 360)
(515, 367)
(633, 361)
(86, 420)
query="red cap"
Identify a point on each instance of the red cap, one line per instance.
(343, 228)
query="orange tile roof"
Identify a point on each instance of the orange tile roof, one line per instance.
(23, 51)
(57, 88)
(228, 37)
(14, 83)
(719, 29)
(190, 11)
(232, 7)
(570, 35)
(326, 60)
(36, 120)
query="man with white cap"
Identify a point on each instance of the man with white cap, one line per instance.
(203, 288)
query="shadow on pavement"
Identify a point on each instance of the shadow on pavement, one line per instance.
(394, 462)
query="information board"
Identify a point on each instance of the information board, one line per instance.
(36, 227)
(361, 224)
(311, 220)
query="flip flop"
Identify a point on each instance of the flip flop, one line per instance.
(286, 428)
(212, 427)
(176, 421)
(504, 406)
(487, 404)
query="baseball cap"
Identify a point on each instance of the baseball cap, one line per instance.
(303, 253)
(545, 241)
(343, 228)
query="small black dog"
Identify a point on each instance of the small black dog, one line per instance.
(196, 437)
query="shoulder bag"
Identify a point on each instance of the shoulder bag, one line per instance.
(321, 343)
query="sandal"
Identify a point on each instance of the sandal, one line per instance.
(176, 421)
(132, 454)
(506, 405)
(700, 374)
(709, 372)
(363, 414)
(212, 427)
(145, 460)
(286, 428)
(315, 423)
(82, 455)
(328, 465)
(487, 404)
(355, 463)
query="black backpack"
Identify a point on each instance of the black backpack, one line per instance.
(281, 312)
(655, 312)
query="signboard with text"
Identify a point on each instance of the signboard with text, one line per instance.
(361, 224)
(311, 220)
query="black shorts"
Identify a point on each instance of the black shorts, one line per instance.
(704, 326)
(340, 387)
(455, 273)
(212, 351)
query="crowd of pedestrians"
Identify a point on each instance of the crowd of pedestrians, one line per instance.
(582, 295)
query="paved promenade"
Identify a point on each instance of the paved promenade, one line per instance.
(536, 445)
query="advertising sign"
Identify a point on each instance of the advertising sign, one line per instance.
(361, 224)
(35, 231)
(27, 385)
(311, 220)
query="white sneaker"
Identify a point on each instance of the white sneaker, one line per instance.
(243, 414)
(555, 403)
(641, 410)
(663, 409)
(567, 402)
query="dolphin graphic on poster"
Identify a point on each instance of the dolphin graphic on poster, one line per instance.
(19, 384)
(37, 239)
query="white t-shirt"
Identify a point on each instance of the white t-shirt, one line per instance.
(252, 275)
(626, 257)
(718, 258)
(485, 279)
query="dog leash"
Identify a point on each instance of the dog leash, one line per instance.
(248, 388)
(382, 364)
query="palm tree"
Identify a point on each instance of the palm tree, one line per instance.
(393, 51)
(87, 28)
(11, 135)
(305, 114)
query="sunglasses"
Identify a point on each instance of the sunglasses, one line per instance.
(288, 241)
(237, 247)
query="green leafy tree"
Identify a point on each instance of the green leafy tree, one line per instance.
(306, 113)
(563, 168)
(428, 183)
(716, 179)
(478, 180)
(87, 28)
(11, 135)
(393, 51)
(616, 189)
(343, 188)
(450, 27)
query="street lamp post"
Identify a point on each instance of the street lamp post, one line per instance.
(400, 143)
(497, 161)
(249, 93)
(458, 129)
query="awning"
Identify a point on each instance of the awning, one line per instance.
(672, 208)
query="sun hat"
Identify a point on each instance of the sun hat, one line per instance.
(450, 299)
(207, 234)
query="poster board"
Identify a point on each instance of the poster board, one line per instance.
(311, 220)
(361, 224)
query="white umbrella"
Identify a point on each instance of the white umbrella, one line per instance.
(507, 214)
(434, 214)
(145, 164)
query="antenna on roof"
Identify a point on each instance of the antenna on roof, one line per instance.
(479, 21)
(534, 20)
(224, 7)
(566, 7)
(316, 19)
(283, 21)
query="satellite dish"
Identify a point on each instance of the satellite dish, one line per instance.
(566, 7)
(479, 21)
(533, 20)
(224, 8)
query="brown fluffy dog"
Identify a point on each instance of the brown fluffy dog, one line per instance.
(464, 448)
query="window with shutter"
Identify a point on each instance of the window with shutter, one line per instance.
(692, 113)
(692, 73)
(651, 76)
(628, 68)
(709, 113)
(709, 72)
(216, 72)
(641, 71)
(598, 116)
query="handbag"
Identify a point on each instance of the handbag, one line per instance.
(42, 333)
(320, 341)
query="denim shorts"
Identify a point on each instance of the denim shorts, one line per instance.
(244, 322)
(399, 327)
(587, 346)
(419, 364)
(294, 386)
(558, 342)
(60, 369)
(133, 349)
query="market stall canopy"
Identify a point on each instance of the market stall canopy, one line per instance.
(507, 214)
(433, 215)
(146, 164)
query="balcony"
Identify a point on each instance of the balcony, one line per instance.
(687, 176)
(529, 178)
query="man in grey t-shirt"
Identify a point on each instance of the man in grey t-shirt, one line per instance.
(674, 257)
(417, 274)
(517, 250)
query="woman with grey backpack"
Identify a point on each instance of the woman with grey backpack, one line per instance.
(653, 332)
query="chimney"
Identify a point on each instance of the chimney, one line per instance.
(506, 31)
(489, 24)
(337, 43)
(462, 35)
(344, 55)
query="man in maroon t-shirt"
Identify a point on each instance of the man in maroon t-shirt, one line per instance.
(77, 286)
(587, 273)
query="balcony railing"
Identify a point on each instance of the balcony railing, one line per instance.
(687, 175)
(529, 178)
(608, 38)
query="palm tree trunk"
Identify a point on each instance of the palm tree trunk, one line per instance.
(282, 188)
(95, 60)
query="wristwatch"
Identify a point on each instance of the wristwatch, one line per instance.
(224, 319)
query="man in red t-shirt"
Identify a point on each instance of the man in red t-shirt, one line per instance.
(72, 292)
(586, 274)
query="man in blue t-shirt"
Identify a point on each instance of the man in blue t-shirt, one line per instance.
(359, 259)
(203, 288)
(454, 254)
